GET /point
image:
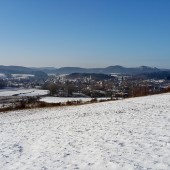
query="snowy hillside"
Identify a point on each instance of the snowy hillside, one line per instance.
(126, 134)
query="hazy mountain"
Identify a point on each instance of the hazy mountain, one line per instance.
(107, 70)
(22, 70)
(15, 70)
(157, 75)
(69, 70)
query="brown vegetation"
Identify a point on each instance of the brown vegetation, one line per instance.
(40, 104)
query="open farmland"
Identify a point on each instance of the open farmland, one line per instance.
(125, 134)
(66, 99)
(23, 92)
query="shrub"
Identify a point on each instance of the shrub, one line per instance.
(93, 100)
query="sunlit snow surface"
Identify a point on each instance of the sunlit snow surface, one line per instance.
(65, 99)
(126, 134)
(23, 92)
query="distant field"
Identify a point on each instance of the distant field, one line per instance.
(17, 76)
(23, 92)
(65, 99)
(22, 76)
(2, 75)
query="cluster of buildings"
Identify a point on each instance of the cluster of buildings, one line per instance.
(91, 85)
(113, 86)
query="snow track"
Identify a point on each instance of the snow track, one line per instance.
(127, 134)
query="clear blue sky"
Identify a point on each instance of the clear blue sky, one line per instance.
(85, 33)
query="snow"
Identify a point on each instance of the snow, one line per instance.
(62, 99)
(116, 135)
(2, 75)
(65, 99)
(23, 92)
(17, 76)
(22, 76)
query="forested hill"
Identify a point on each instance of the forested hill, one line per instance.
(69, 70)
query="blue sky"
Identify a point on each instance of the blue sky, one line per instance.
(85, 33)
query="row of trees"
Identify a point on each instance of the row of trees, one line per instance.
(55, 88)
(136, 91)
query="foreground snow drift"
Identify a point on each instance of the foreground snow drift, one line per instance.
(126, 134)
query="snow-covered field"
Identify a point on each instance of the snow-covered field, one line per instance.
(2, 75)
(65, 99)
(62, 99)
(125, 134)
(22, 76)
(17, 76)
(23, 92)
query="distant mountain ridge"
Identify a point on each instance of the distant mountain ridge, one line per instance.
(107, 70)
(69, 70)
(15, 70)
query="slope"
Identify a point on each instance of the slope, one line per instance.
(127, 134)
